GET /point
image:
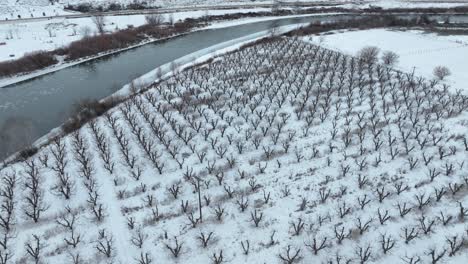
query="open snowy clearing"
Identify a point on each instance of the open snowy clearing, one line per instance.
(293, 153)
(418, 51)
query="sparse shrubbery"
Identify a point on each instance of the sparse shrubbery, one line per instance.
(365, 22)
(154, 19)
(28, 63)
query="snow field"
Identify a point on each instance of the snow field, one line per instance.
(419, 51)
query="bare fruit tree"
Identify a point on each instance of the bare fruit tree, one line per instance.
(34, 200)
(7, 218)
(100, 22)
(441, 72)
(369, 54)
(154, 19)
(34, 248)
(389, 58)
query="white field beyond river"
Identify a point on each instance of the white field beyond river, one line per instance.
(418, 51)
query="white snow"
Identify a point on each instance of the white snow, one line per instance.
(418, 51)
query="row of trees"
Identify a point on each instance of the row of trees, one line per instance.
(389, 58)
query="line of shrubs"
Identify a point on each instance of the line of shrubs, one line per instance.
(29, 62)
(366, 22)
(87, 7)
(92, 45)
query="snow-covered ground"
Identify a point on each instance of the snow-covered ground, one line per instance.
(418, 51)
(19, 38)
(295, 154)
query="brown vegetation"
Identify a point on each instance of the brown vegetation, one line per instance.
(30, 62)
(92, 45)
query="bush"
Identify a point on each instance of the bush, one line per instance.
(30, 62)
(154, 19)
(27, 153)
(369, 54)
(440, 72)
(93, 45)
(183, 26)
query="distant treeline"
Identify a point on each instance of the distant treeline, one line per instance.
(87, 7)
(365, 22)
(90, 8)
